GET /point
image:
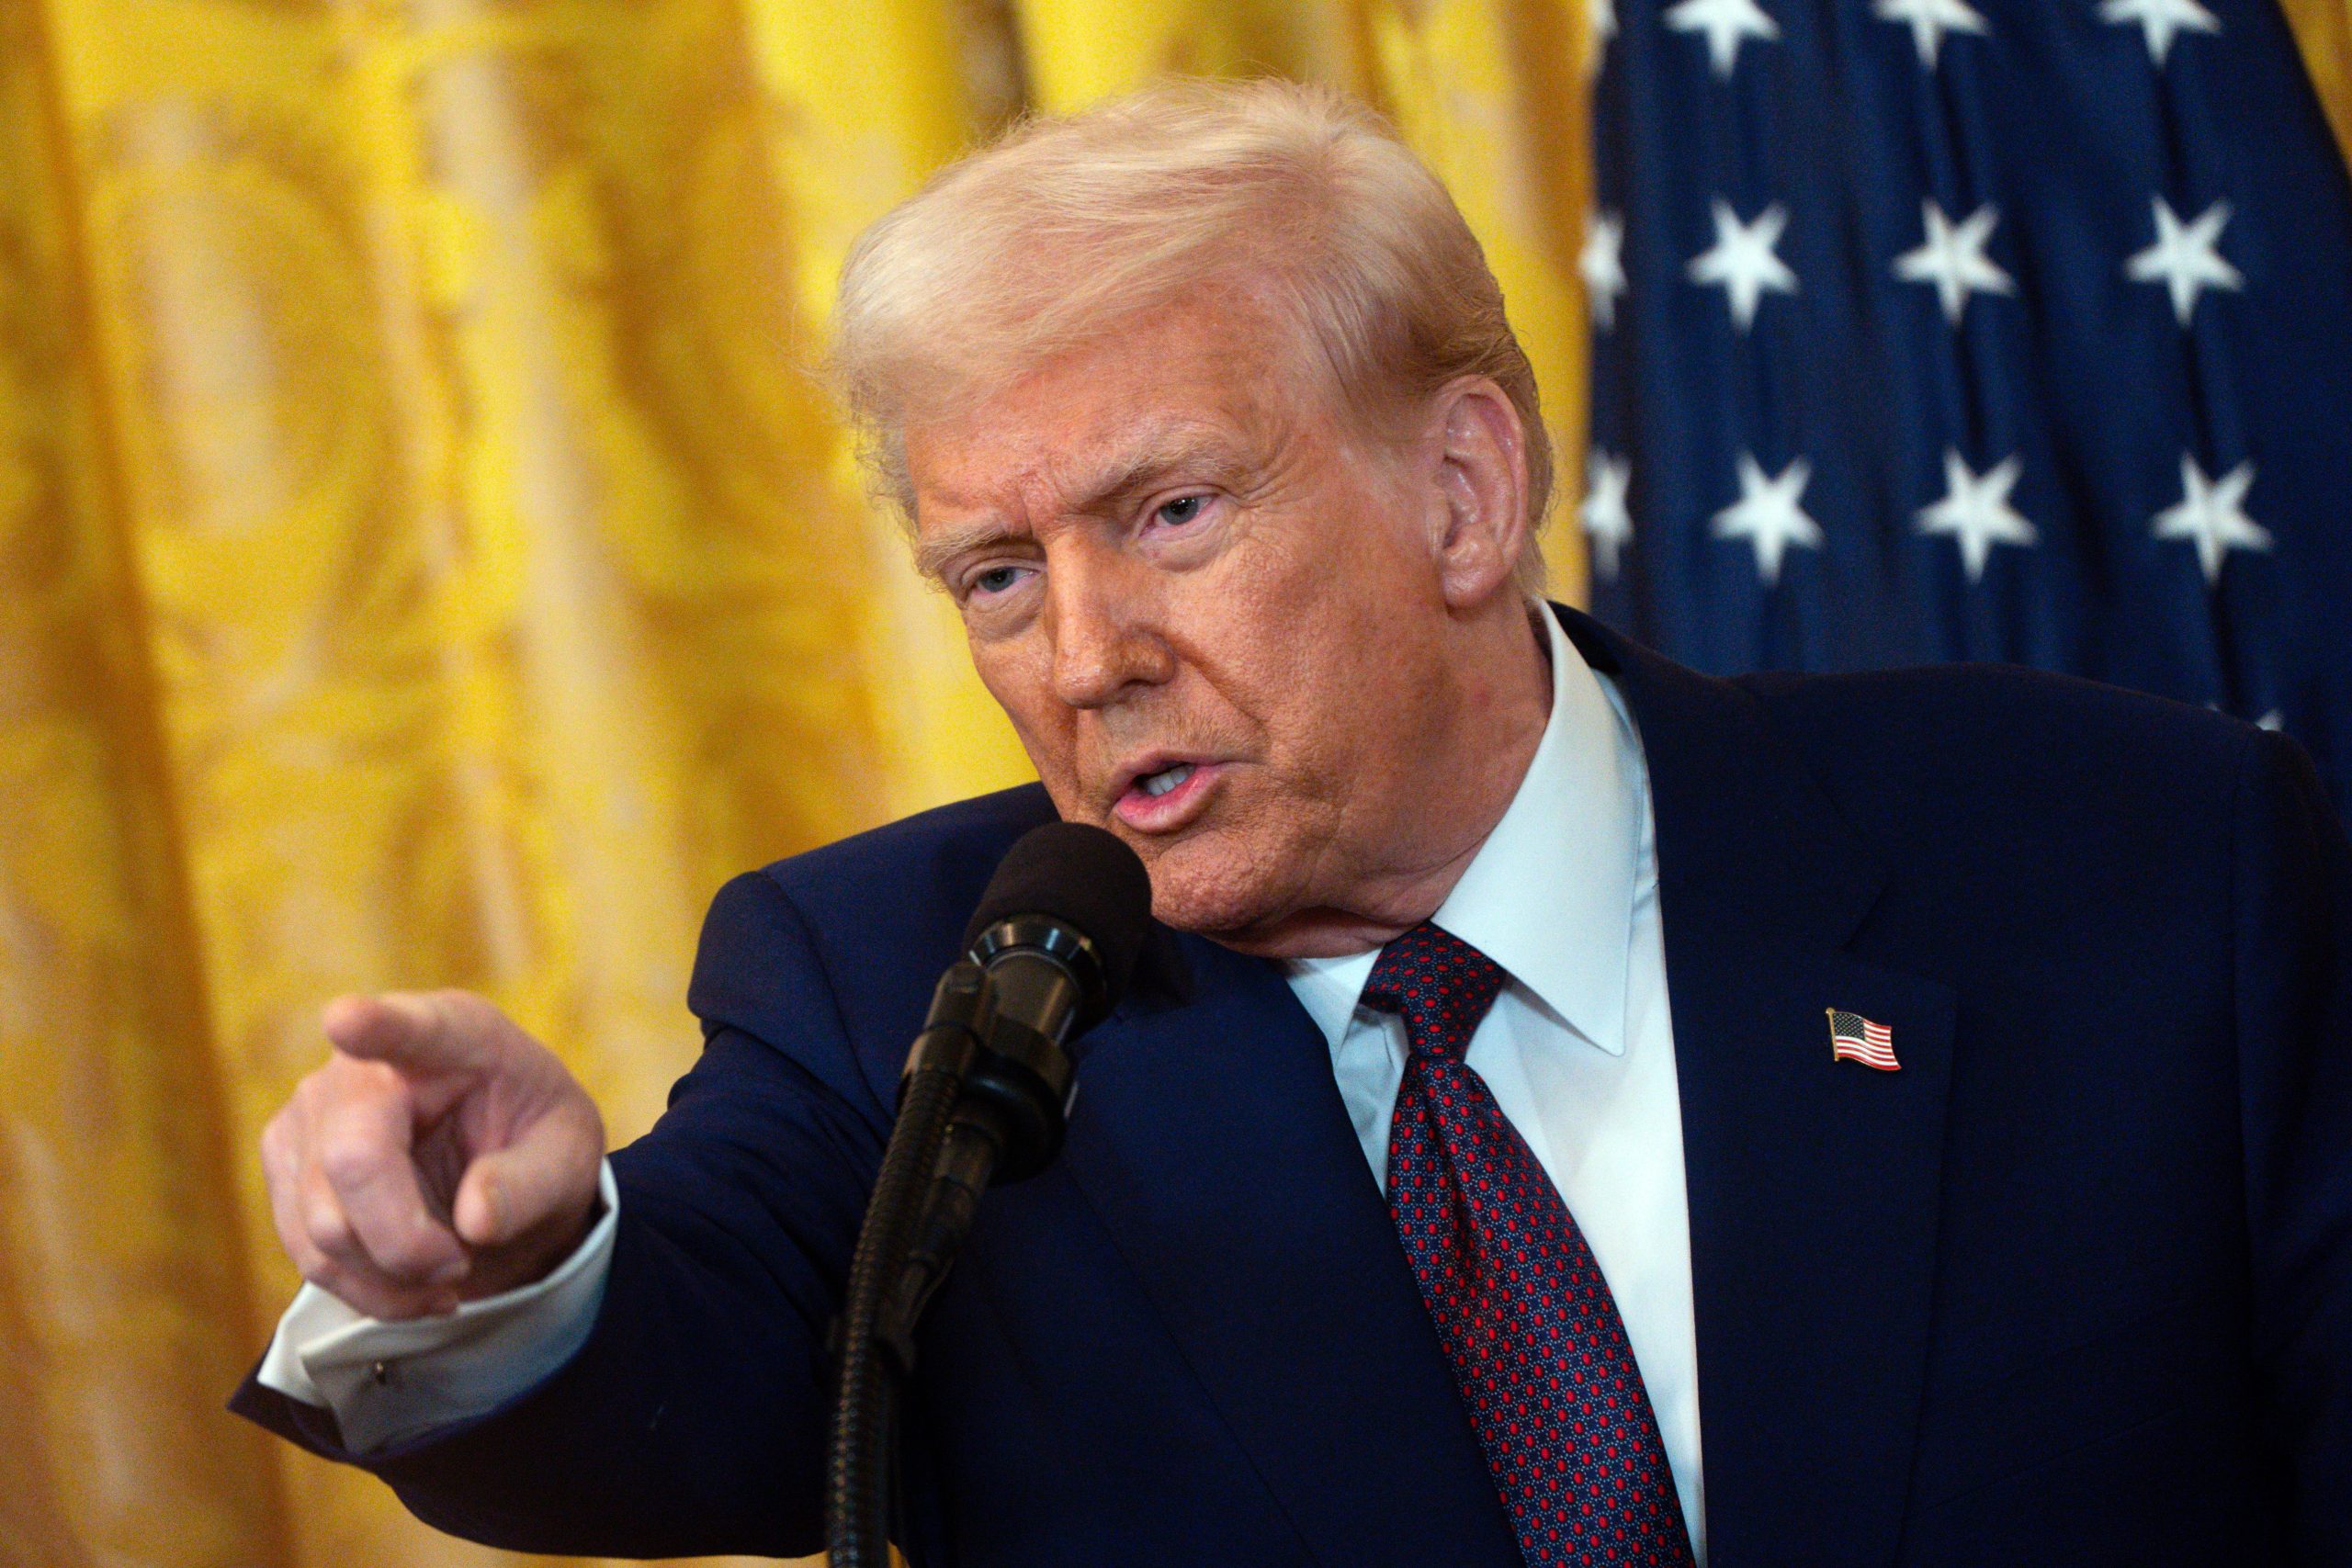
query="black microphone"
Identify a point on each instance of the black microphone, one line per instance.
(1058, 932)
(987, 1091)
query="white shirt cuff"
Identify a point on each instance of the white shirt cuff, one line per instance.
(391, 1380)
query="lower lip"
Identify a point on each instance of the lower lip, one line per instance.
(1166, 813)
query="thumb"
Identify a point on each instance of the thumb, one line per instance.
(546, 1176)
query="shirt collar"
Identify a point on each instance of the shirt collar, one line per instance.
(1550, 894)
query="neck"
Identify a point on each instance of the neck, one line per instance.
(1504, 699)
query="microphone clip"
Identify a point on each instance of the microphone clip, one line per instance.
(998, 1024)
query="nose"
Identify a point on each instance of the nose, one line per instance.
(1102, 619)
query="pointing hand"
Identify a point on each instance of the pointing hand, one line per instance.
(441, 1155)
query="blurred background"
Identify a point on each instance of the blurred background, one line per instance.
(427, 558)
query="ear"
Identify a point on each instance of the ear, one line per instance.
(1481, 491)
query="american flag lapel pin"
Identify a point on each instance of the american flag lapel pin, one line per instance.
(1853, 1038)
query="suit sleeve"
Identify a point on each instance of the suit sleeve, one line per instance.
(692, 1420)
(2293, 956)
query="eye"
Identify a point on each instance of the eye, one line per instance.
(994, 580)
(1182, 510)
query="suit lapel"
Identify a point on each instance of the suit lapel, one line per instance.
(1212, 1139)
(1813, 1183)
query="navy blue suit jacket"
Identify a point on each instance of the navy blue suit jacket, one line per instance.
(2073, 1286)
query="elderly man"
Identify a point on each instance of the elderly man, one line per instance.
(1576, 1111)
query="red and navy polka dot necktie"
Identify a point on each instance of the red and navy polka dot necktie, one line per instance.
(1537, 1346)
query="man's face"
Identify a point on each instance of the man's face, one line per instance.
(1212, 608)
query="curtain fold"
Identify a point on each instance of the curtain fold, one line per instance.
(429, 556)
(123, 1297)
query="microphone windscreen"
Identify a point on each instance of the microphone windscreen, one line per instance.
(1083, 876)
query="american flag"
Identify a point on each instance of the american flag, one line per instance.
(2008, 330)
(1853, 1038)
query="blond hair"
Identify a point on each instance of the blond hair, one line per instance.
(1044, 239)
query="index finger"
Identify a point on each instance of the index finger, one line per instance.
(413, 1030)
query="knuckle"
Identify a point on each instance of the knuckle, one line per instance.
(326, 1225)
(348, 1157)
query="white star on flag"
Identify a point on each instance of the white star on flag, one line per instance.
(1768, 516)
(1606, 520)
(2186, 258)
(1603, 14)
(1975, 511)
(2160, 20)
(1930, 19)
(1725, 23)
(2213, 515)
(1953, 259)
(1603, 267)
(1741, 261)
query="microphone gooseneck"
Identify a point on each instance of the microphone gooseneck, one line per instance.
(985, 1096)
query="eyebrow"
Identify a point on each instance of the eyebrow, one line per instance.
(1180, 445)
(933, 554)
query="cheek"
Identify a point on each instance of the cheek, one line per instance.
(1355, 690)
(1019, 678)
(1292, 637)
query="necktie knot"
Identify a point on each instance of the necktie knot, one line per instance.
(1439, 984)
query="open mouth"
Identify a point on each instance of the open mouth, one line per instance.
(1167, 797)
(1166, 779)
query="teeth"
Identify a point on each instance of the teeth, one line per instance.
(1166, 779)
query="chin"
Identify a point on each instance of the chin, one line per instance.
(1211, 888)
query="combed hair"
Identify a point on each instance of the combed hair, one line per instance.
(1045, 240)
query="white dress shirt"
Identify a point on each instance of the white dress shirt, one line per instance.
(1579, 1050)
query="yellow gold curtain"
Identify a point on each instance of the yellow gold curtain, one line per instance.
(425, 559)
(2323, 31)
